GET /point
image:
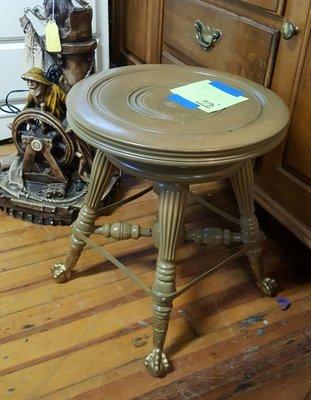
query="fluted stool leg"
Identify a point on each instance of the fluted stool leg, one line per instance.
(243, 185)
(172, 202)
(100, 175)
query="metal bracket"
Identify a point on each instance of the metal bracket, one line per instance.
(148, 290)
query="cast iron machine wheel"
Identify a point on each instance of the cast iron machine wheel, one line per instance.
(41, 137)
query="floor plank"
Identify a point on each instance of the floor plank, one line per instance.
(87, 339)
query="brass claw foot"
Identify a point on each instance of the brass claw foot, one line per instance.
(268, 286)
(60, 274)
(157, 363)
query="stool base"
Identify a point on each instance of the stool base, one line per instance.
(168, 233)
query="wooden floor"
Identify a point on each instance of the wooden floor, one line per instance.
(87, 339)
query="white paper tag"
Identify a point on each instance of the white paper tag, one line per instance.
(53, 44)
(208, 96)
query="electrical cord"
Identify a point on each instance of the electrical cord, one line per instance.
(8, 107)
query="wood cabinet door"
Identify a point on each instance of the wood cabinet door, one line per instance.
(283, 176)
(136, 31)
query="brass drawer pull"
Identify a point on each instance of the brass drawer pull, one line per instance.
(206, 36)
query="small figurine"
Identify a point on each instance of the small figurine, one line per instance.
(44, 94)
(52, 158)
(47, 180)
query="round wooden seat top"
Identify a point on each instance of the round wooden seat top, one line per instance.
(127, 112)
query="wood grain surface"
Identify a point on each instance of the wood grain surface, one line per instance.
(234, 53)
(87, 339)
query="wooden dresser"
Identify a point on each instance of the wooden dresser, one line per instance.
(264, 40)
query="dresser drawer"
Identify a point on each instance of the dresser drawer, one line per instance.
(274, 6)
(246, 47)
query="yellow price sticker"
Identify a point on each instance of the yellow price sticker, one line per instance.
(53, 44)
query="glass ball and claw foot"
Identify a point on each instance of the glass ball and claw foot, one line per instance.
(243, 184)
(85, 223)
(125, 115)
(60, 273)
(157, 363)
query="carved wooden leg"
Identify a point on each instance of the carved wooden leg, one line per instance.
(172, 201)
(243, 185)
(100, 175)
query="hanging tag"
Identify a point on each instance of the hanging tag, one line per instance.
(53, 44)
